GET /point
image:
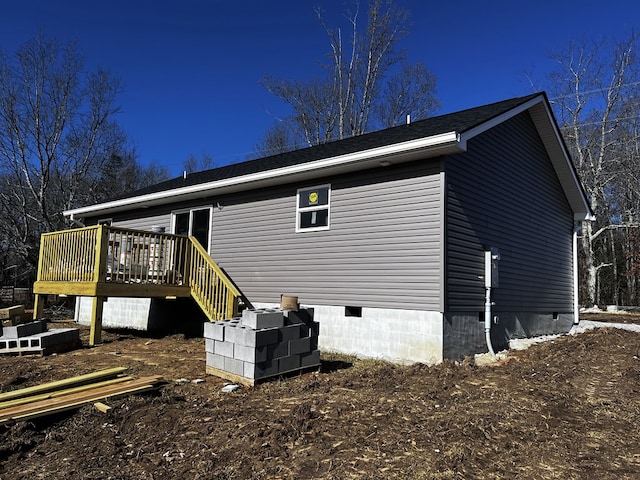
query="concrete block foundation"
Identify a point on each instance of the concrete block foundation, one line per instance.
(400, 336)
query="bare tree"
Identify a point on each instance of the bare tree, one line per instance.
(198, 164)
(594, 96)
(57, 136)
(352, 98)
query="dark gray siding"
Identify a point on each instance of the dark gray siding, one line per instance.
(503, 192)
(383, 248)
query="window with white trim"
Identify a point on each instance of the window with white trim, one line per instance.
(195, 222)
(312, 208)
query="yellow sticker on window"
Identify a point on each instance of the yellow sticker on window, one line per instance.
(313, 197)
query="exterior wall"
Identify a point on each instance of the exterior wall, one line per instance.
(147, 314)
(130, 313)
(383, 253)
(401, 336)
(463, 334)
(159, 219)
(503, 192)
(383, 248)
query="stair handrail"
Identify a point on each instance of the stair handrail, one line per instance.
(211, 288)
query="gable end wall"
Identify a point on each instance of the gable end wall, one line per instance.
(503, 192)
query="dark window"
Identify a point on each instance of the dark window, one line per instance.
(195, 223)
(313, 208)
(200, 227)
(182, 223)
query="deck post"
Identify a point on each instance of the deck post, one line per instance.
(38, 306)
(95, 334)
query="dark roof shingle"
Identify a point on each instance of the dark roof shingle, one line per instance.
(453, 122)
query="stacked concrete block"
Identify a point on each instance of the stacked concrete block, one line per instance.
(262, 343)
(33, 337)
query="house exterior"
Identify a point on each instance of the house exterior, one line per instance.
(385, 234)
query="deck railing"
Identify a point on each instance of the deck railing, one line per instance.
(210, 286)
(110, 255)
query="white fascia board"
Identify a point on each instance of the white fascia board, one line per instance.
(499, 119)
(555, 148)
(399, 151)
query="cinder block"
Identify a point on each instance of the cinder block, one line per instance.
(214, 330)
(209, 345)
(215, 361)
(290, 332)
(288, 364)
(277, 350)
(234, 333)
(302, 345)
(234, 366)
(310, 359)
(250, 354)
(303, 315)
(25, 330)
(260, 370)
(261, 338)
(314, 329)
(223, 348)
(262, 318)
(59, 336)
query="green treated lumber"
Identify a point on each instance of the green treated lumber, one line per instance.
(61, 384)
(60, 393)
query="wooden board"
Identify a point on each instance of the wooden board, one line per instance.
(69, 402)
(65, 383)
(10, 312)
(251, 382)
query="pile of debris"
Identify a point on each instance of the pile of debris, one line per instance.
(33, 337)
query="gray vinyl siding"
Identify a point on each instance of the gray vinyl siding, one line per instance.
(145, 223)
(503, 192)
(382, 249)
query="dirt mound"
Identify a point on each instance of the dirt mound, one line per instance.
(566, 408)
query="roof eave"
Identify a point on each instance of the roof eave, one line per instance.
(435, 145)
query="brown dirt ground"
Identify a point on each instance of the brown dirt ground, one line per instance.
(567, 408)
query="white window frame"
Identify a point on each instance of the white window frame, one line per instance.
(190, 211)
(300, 210)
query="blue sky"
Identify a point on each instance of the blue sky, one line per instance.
(191, 69)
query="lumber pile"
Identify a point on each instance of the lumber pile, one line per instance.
(71, 393)
(14, 315)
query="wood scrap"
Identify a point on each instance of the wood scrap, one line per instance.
(72, 401)
(67, 382)
(59, 393)
(10, 312)
(102, 407)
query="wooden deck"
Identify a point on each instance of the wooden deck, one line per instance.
(104, 261)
